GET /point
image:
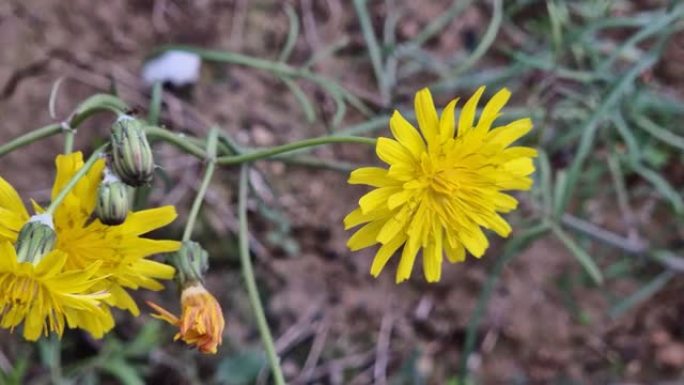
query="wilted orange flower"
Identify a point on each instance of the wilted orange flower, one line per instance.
(201, 322)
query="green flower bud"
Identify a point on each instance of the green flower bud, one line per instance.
(112, 200)
(191, 261)
(36, 238)
(131, 153)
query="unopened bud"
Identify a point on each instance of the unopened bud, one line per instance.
(112, 200)
(191, 261)
(131, 153)
(36, 238)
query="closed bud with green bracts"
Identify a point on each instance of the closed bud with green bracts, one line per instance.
(191, 261)
(36, 238)
(112, 203)
(131, 153)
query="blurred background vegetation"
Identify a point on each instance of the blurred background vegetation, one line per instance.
(587, 288)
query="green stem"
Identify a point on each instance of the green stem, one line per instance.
(208, 174)
(91, 106)
(69, 135)
(179, 140)
(155, 104)
(248, 273)
(30, 137)
(266, 153)
(74, 180)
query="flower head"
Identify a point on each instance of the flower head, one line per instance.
(201, 322)
(112, 203)
(444, 183)
(119, 251)
(45, 297)
(131, 153)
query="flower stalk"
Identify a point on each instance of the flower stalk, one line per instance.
(250, 282)
(212, 141)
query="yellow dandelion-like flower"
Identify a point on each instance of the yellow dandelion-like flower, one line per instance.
(45, 297)
(120, 250)
(444, 183)
(201, 322)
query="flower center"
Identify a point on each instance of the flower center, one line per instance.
(436, 175)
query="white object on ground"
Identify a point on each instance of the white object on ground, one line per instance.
(176, 67)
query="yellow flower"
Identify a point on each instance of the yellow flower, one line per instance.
(443, 185)
(201, 322)
(120, 250)
(46, 298)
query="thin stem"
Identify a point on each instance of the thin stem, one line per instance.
(179, 140)
(155, 104)
(632, 246)
(248, 273)
(30, 137)
(89, 107)
(266, 153)
(69, 135)
(74, 180)
(373, 48)
(208, 174)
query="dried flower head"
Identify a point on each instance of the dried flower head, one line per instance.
(201, 322)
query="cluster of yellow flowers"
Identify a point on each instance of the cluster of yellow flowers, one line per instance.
(69, 264)
(92, 264)
(69, 267)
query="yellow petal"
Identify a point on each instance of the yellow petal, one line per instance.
(447, 122)
(372, 176)
(365, 236)
(376, 198)
(475, 241)
(426, 114)
(385, 253)
(467, 118)
(406, 134)
(393, 226)
(492, 109)
(67, 165)
(10, 200)
(432, 258)
(520, 166)
(144, 221)
(408, 258)
(392, 152)
(454, 254)
(511, 132)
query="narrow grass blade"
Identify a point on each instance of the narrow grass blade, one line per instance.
(292, 33)
(580, 254)
(641, 295)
